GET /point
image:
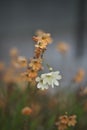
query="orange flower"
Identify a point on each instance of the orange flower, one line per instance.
(66, 121)
(63, 119)
(22, 61)
(61, 126)
(44, 38)
(9, 75)
(81, 72)
(38, 52)
(25, 77)
(32, 74)
(78, 79)
(72, 120)
(13, 52)
(26, 111)
(62, 47)
(14, 63)
(79, 76)
(35, 64)
(41, 45)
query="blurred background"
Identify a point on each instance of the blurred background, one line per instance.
(66, 20)
(22, 105)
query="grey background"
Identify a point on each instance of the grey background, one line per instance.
(64, 19)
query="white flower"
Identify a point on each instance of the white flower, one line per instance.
(48, 79)
(40, 84)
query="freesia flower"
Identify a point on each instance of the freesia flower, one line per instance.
(40, 84)
(51, 78)
(48, 79)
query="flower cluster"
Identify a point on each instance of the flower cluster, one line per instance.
(42, 40)
(66, 121)
(11, 73)
(30, 68)
(16, 60)
(48, 79)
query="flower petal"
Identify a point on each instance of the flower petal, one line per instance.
(37, 79)
(56, 83)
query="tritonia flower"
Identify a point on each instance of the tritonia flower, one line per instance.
(48, 79)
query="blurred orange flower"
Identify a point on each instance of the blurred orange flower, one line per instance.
(32, 73)
(41, 45)
(14, 52)
(66, 121)
(61, 126)
(36, 64)
(79, 76)
(72, 120)
(62, 47)
(38, 52)
(22, 61)
(26, 111)
(44, 38)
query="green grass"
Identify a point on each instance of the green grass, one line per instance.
(11, 117)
